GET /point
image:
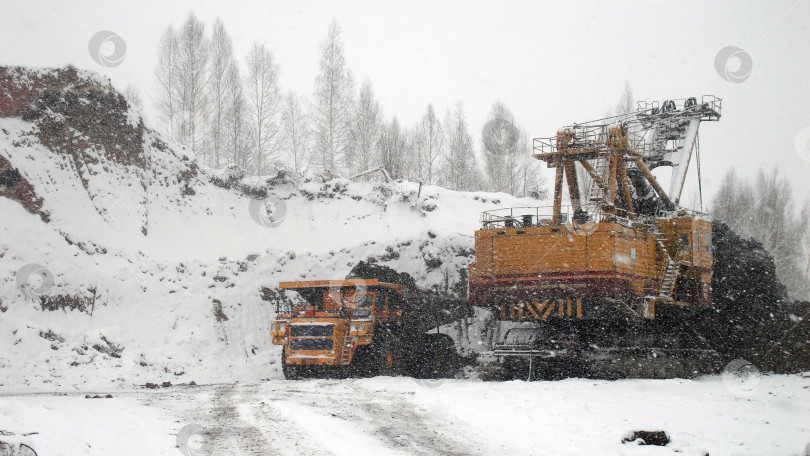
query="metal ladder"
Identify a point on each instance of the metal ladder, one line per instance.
(345, 347)
(639, 307)
(596, 195)
(670, 275)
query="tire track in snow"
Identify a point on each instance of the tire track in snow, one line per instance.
(243, 424)
(389, 417)
(314, 417)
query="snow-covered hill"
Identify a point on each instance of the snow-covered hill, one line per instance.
(122, 261)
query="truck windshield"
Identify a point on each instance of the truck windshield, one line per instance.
(363, 303)
(330, 300)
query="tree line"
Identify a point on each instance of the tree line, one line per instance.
(763, 209)
(232, 112)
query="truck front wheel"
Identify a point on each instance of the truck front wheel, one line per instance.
(363, 363)
(379, 358)
(290, 371)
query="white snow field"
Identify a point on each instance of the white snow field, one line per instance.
(151, 271)
(402, 416)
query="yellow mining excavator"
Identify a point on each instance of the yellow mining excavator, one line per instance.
(623, 266)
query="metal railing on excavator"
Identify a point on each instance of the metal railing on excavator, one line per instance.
(528, 216)
(667, 116)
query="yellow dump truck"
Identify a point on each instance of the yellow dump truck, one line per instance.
(364, 327)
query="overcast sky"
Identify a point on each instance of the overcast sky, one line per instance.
(552, 64)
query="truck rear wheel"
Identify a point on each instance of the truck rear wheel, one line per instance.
(387, 362)
(437, 358)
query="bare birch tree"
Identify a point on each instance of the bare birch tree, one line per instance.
(333, 104)
(296, 133)
(734, 203)
(221, 62)
(626, 103)
(392, 147)
(236, 133)
(167, 80)
(530, 180)
(409, 163)
(460, 169)
(778, 228)
(499, 139)
(366, 131)
(507, 153)
(429, 146)
(193, 66)
(264, 96)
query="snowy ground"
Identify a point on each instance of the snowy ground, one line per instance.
(405, 416)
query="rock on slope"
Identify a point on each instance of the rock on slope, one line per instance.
(155, 262)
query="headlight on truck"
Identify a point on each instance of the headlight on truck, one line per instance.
(278, 329)
(357, 327)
